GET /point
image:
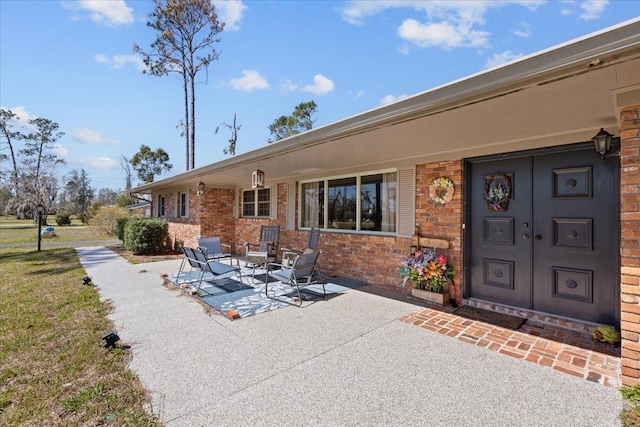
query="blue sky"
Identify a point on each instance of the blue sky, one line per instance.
(73, 62)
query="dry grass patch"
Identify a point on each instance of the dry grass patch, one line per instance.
(54, 370)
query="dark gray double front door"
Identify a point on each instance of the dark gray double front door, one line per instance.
(556, 247)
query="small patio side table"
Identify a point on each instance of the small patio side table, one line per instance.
(253, 262)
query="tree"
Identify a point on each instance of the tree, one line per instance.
(9, 136)
(148, 163)
(186, 36)
(107, 196)
(79, 193)
(37, 181)
(301, 120)
(128, 173)
(231, 149)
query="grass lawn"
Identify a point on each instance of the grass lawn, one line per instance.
(53, 368)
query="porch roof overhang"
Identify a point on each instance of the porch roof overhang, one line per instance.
(561, 95)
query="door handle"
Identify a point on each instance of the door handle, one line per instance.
(525, 236)
(537, 237)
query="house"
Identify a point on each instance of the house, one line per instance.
(567, 242)
(142, 208)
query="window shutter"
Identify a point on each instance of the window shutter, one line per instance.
(273, 198)
(407, 201)
(291, 205)
(236, 203)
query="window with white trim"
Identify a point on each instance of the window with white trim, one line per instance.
(365, 202)
(256, 203)
(183, 205)
(160, 206)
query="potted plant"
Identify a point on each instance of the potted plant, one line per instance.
(430, 275)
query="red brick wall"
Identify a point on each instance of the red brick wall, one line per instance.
(215, 212)
(442, 221)
(630, 243)
(182, 230)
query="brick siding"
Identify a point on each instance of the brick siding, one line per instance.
(630, 243)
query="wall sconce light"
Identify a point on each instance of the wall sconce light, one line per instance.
(201, 187)
(602, 142)
(257, 179)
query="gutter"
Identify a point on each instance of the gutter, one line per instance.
(576, 56)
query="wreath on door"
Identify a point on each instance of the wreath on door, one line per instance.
(441, 191)
(497, 192)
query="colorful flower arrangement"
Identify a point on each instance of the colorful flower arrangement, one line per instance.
(497, 196)
(427, 270)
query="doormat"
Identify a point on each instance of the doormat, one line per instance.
(492, 317)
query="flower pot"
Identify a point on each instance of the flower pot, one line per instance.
(434, 297)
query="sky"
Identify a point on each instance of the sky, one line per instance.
(73, 62)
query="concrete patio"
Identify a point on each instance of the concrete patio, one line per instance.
(354, 359)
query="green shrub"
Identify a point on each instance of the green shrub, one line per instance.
(63, 218)
(121, 224)
(84, 217)
(630, 417)
(145, 236)
(107, 220)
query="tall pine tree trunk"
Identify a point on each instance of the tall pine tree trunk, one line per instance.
(186, 118)
(193, 120)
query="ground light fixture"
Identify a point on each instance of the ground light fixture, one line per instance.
(110, 339)
(602, 142)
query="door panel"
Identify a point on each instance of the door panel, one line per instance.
(576, 221)
(500, 241)
(556, 248)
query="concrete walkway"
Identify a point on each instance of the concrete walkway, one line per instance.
(344, 361)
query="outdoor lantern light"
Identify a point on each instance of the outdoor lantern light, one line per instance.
(201, 188)
(257, 179)
(602, 141)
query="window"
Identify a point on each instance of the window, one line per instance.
(183, 205)
(312, 214)
(160, 206)
(365, 202)
(256, 202)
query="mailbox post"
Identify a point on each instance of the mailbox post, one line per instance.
(39, 210)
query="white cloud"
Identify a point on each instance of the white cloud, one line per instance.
(447, 24)
(22, 116)
(91, 163)
(119, 61)
(289, 86)
(442, 34)
(250, 80)
(501, 58)
(59, 151)
(522, 30)
(88, 136)
(592, 9)
(392, 98)
(321, 85)
(110, 13)
(231, 13)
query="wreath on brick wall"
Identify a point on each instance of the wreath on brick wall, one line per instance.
(441, 190)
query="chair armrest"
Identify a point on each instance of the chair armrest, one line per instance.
(275, 264)
(224, 245)
(202, 249)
